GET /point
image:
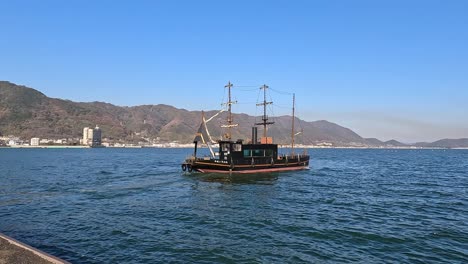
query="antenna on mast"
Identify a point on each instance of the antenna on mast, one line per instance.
(264, 117)
(229, 118)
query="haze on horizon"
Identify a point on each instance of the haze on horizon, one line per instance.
(390, 70)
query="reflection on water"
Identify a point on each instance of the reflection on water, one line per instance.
(254, 178)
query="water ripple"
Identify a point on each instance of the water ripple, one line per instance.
(136, 206)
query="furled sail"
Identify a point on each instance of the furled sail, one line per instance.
(203, 135)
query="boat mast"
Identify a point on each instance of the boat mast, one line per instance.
(264, 117)
(292, 128)
(229, 119)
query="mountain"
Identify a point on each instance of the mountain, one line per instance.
(394, 143)
(445, 143)
(374, 142)
(27, 113)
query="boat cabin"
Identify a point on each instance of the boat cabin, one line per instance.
(236, 151)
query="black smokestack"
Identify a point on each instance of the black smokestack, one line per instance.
(254, 135)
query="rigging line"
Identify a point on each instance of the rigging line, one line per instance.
(249, 103)
(271, 105)
(256, 108)
(301, 123)
(272, 113)
(247, 86)
(245, 90)
(224, 96)
(282, 106)
(281, 92)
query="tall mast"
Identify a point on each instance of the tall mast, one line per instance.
(292, 128)
(264, 117)
(229, 118)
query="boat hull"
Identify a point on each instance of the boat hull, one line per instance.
(246, 167)
(251, 171)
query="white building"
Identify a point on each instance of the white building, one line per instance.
(35, 141)
(85, 136)
(45, 141)
(92, 136)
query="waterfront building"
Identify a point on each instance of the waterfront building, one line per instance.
(92, 136)
(45, 141)
(85, 136)
(96, 137)
(35, 141)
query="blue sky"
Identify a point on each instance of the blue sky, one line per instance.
(386, 69)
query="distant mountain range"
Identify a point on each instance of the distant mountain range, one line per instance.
(27, 113)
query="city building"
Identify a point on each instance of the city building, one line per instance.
(92, 136)
(97, 137)
(85, 136)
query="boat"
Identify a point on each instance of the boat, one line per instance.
(235, 156)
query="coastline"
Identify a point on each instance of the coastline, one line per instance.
(45, 146)
(184, 146)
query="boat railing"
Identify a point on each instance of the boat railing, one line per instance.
(202, 158)
(293, 156)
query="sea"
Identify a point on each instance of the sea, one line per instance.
(137, 206)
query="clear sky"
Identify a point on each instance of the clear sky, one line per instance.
(385, 69)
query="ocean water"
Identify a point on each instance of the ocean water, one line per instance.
(136, 206)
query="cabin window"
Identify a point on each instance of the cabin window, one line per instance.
(258, 153)
(225, 147)
(237, 147)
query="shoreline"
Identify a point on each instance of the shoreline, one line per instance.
(45, 146)
(186, 146)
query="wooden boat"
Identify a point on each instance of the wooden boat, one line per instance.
(236, 157)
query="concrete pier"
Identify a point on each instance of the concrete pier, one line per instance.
(13, 251)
